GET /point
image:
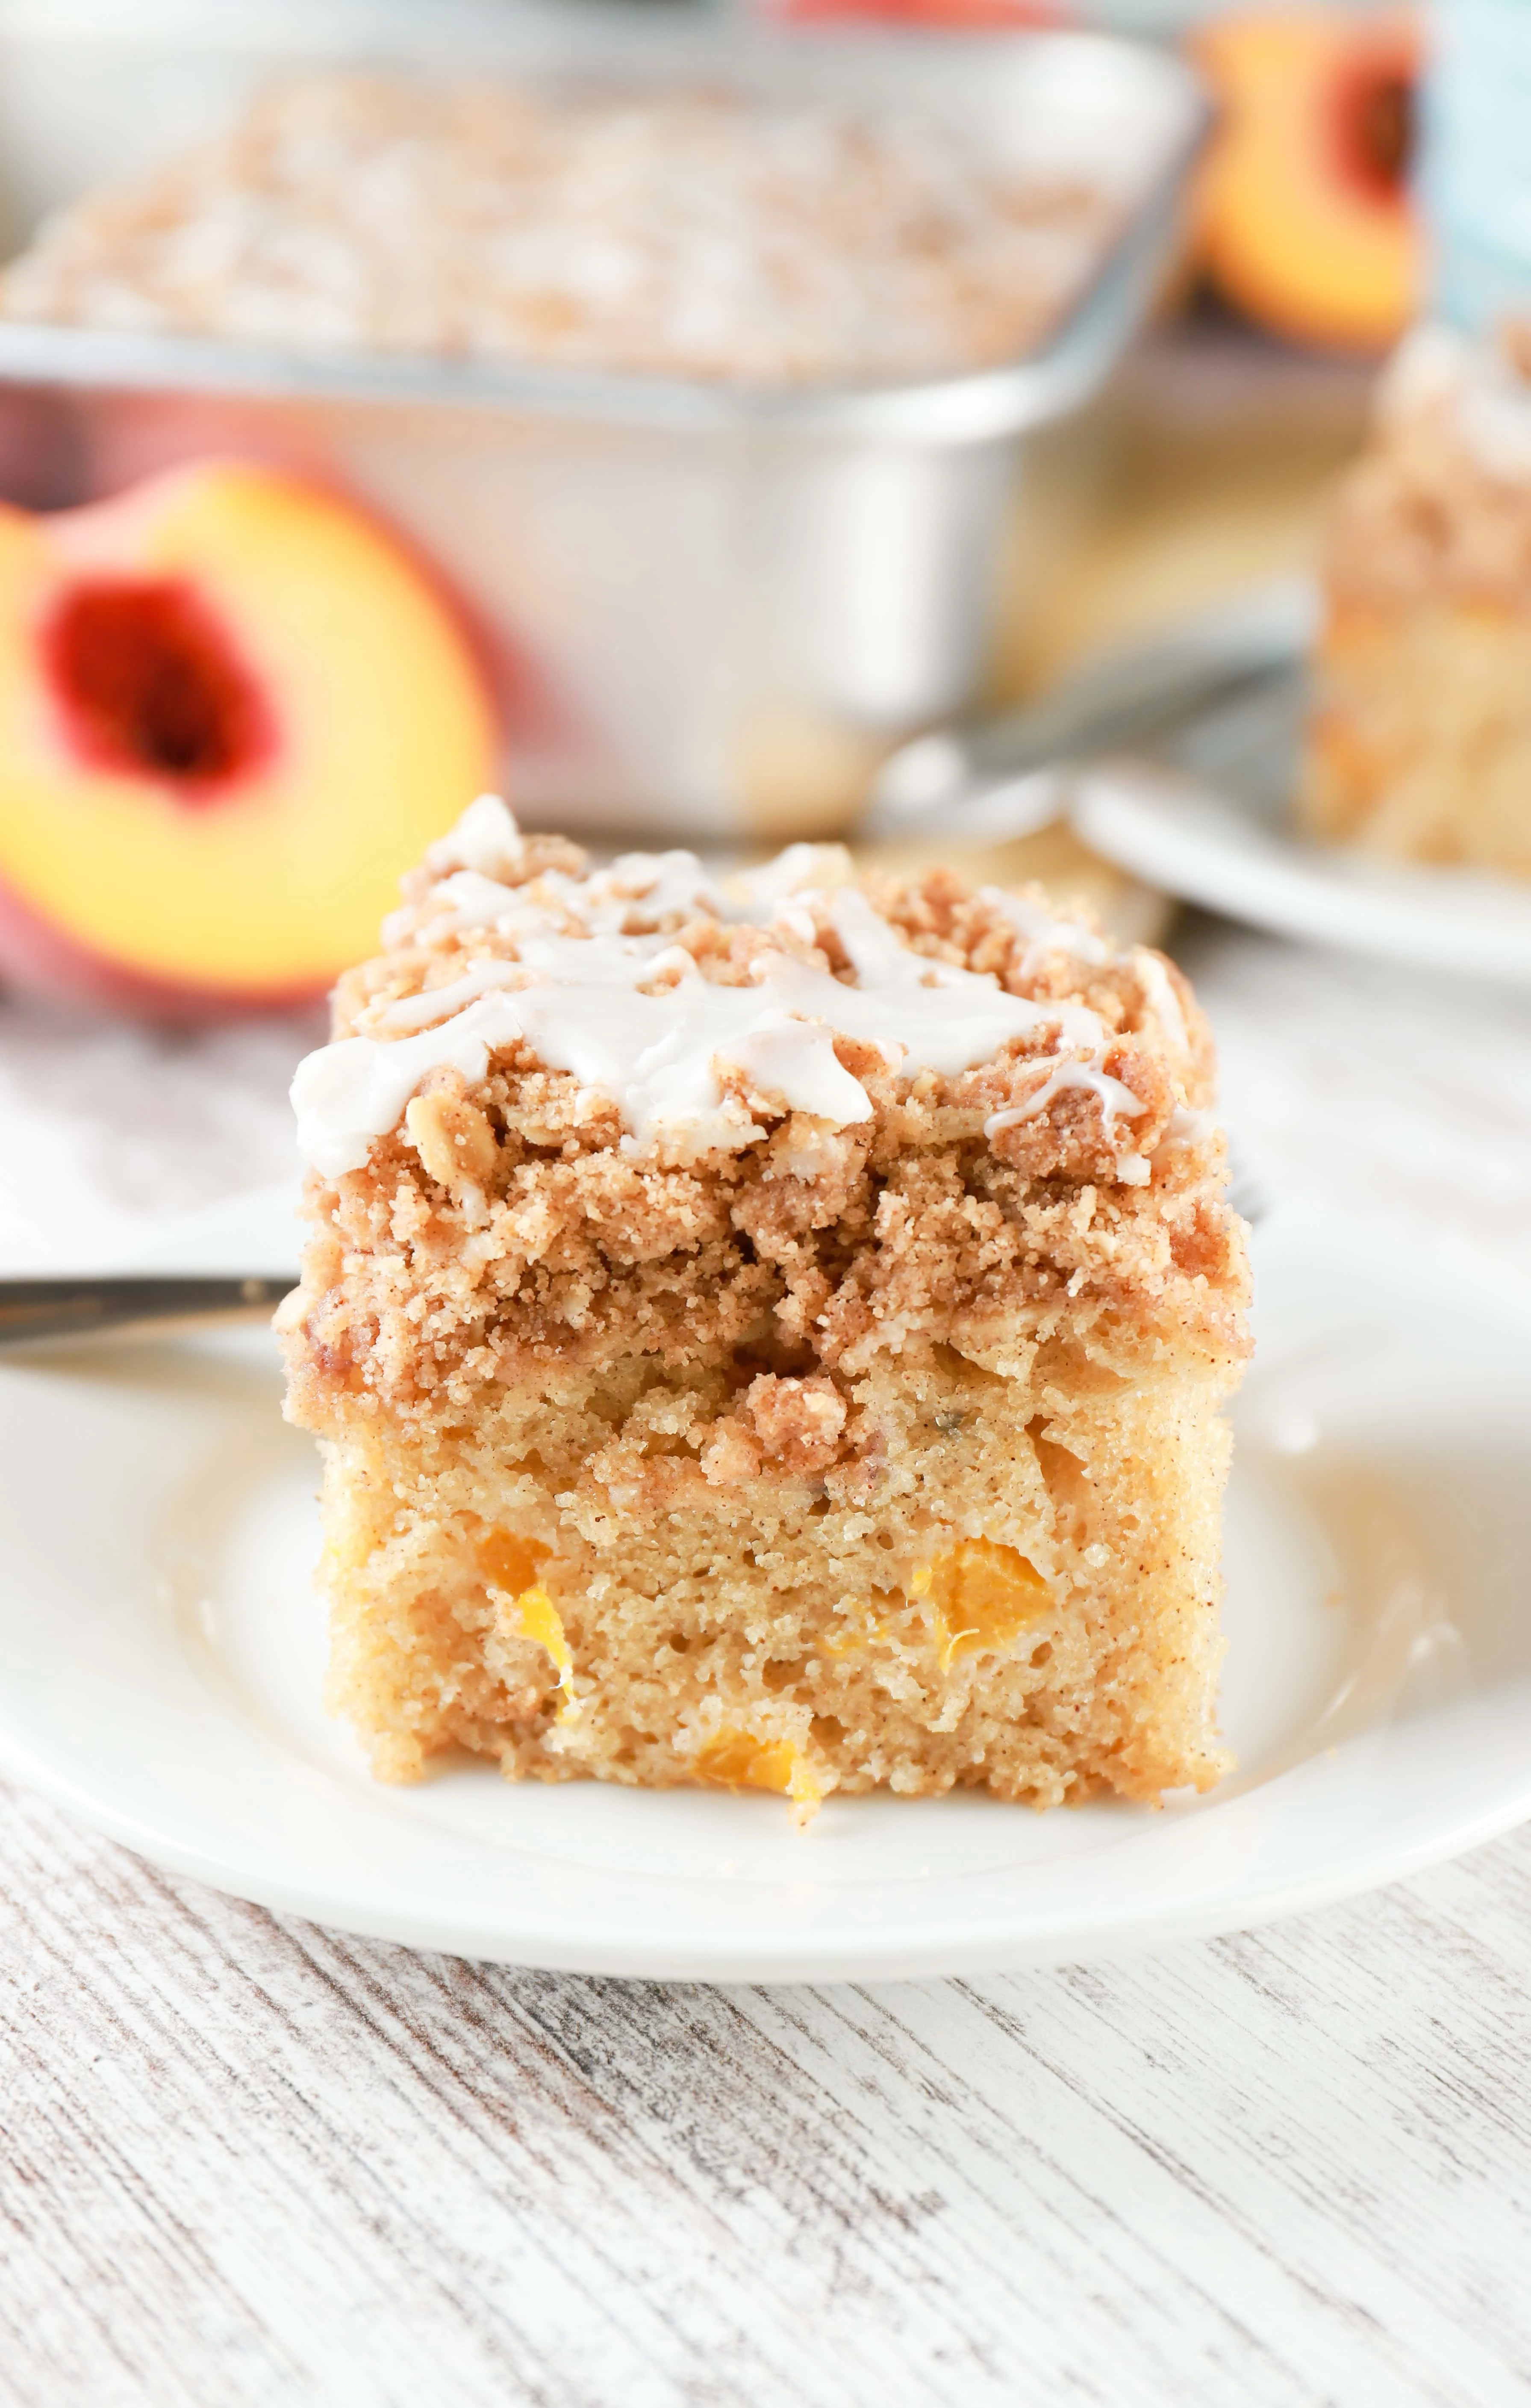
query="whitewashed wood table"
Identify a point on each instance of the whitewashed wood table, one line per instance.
(248, 2161)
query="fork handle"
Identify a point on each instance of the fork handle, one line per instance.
(34, 1310)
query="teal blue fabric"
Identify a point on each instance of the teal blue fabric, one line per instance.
(1474, 168)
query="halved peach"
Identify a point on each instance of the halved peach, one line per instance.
(1304, 212)
(233, 710)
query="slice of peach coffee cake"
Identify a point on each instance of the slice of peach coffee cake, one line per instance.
(768, 1331)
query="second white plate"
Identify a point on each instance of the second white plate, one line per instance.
(162, 1653)
(1212, 824)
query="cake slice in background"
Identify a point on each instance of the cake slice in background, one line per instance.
(769, 1335)
(1420, 741)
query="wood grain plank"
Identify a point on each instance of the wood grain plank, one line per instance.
(248, 2161)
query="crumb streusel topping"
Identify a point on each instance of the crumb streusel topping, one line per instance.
(486, 1186)
(687, 233)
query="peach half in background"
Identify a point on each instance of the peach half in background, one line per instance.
(233, 710)
(1304, 212)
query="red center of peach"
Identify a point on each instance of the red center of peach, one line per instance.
(149, 683)
(1374, 127)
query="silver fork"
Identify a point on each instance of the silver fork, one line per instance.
(36, 1311)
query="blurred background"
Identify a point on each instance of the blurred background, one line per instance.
(309, 528)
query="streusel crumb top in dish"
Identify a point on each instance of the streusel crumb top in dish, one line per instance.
(685, 234)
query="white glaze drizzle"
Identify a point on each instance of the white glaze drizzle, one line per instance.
(415, 1011)
(637, 885)
(1160, 996)
(593, 1005)
(1189, 1126)
(1117, 1102)
(486, 839)
(1043, 933)
(463, 900)
(757, 894)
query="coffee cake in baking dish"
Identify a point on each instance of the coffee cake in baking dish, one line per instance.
(768, 1332)
(684, 233)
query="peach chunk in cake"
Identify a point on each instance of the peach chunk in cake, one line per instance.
(769, 1333)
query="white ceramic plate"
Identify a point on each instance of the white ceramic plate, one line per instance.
(1212, 824)
(160, 1654)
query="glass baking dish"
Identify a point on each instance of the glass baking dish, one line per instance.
(712, 608)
